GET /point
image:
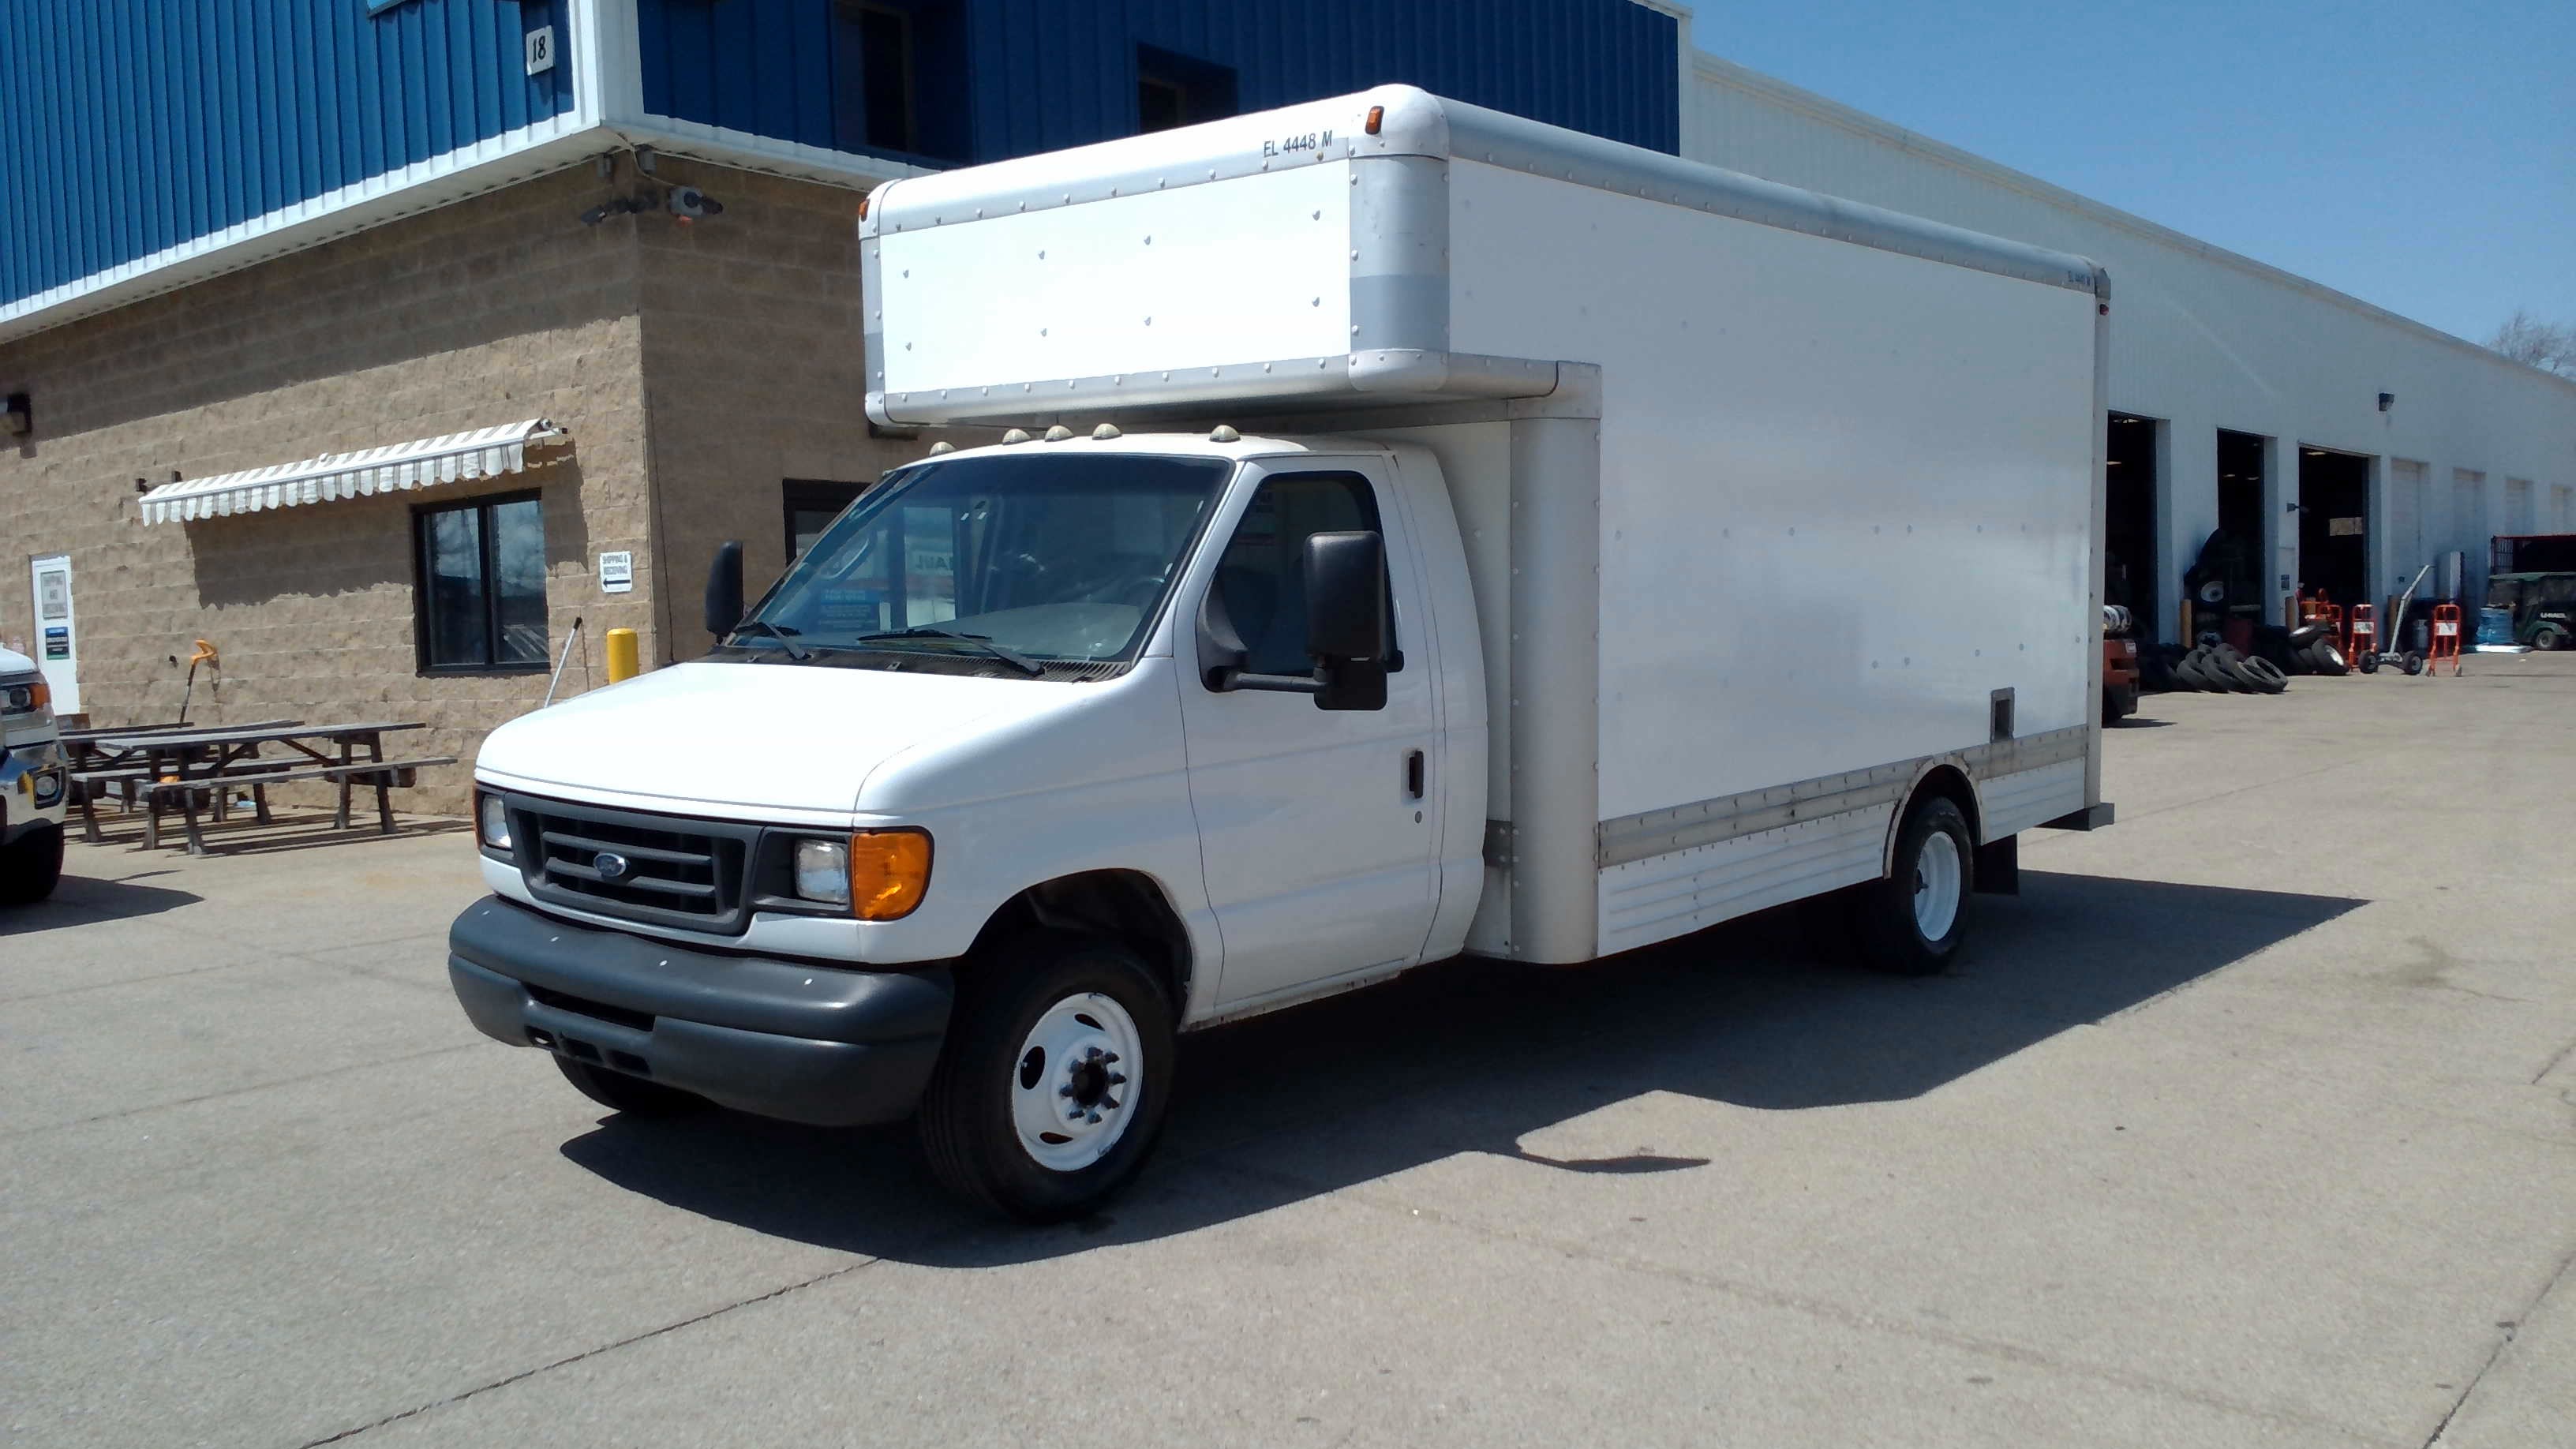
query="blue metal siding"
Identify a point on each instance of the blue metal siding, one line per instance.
(1043, 74)
(135, 125)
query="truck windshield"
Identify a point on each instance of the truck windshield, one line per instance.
(1057, 558)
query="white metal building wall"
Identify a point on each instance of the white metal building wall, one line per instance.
(2200, 337)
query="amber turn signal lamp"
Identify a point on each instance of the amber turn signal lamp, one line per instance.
(889, 871)
(1377, 118)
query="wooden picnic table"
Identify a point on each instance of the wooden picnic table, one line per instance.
(82, 746)
(181, 763)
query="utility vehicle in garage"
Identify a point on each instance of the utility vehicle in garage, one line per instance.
(1419, 531)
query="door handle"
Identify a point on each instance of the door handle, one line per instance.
(1413, 773)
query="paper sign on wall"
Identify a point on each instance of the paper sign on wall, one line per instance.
(616, 573)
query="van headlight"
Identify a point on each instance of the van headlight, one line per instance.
(823, 871)
(880, 875)
(493, 816)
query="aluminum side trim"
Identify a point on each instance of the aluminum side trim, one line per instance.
(1707, 822)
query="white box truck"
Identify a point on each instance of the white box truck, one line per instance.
(1420, 531)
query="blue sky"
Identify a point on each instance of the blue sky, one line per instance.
(2420, 156)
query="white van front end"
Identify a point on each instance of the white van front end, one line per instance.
(35, 783)
(1024, 767)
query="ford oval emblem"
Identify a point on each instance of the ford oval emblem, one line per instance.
(611, 865)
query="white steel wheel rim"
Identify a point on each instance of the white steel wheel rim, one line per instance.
(1936, 885)
(1075, 1082)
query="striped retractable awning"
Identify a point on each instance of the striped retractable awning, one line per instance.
(424, 463)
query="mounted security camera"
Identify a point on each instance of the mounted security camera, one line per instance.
(688, 203)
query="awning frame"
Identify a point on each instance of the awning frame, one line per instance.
(396, 467)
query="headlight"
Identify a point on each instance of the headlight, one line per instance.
(21, 698)
(495, 817)
(823, 871)
(879, 874)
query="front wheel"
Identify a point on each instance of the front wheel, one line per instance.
(30, 869)
(1053, 1084)
(1911, 923)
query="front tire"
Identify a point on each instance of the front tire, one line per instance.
(1911, 923)
(1053, 1085)
(31, 868)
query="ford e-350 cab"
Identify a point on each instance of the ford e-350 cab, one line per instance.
(970, 723)
(1419, 531)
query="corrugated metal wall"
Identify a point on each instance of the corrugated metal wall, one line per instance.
(1042, 74)
(132, 126)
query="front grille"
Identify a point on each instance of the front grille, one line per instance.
(678, 872)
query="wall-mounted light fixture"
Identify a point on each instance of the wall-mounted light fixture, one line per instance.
(2387, 400)
(20, 418)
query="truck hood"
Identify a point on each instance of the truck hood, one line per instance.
(795, 741)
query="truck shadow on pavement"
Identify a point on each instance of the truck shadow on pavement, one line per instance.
(1470, 1056)
(82, 900)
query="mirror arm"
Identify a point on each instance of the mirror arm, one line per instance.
(1232, 679)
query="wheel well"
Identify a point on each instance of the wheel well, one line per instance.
(1950, 782)
(1124, 904)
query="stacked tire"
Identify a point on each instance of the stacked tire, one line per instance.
(2314, 648)
(2219, 669)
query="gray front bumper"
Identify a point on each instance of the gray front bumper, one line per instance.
(787, 1039)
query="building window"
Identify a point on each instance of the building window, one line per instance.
(482, 589)
(811, 506)
(872, 107)
(1174, 90)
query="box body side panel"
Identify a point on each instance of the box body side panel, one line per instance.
(1846, 494)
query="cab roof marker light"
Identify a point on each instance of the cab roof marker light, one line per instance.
(942, 447)
(1058, 433)
(1225, 433)
(1104, 432)
(1015, 435)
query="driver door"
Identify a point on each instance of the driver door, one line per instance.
(1317, 828)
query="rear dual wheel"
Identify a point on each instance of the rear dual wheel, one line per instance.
(1911, 922)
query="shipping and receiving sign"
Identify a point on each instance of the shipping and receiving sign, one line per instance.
(616, 573)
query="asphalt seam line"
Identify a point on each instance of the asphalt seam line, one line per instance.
(588, 1353)
(368, 1065)
(2511, 1327)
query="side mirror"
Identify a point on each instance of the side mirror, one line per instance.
(1346, 628)
(1346, 619)
(1346, 597)
(724, 589)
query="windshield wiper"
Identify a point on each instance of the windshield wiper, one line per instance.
(1003, 652)
(779, 632)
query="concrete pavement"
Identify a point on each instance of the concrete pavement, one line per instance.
(2251, 1122)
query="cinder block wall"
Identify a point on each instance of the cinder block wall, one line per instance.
(488, 311)
(754, 372)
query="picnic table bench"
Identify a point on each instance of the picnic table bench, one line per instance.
(178, 765)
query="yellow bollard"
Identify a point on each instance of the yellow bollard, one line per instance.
(621, 655)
